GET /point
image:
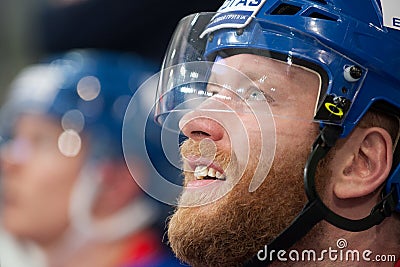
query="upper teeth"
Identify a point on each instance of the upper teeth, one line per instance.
(202, 171)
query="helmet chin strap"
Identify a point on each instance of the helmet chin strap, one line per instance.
(315, 210)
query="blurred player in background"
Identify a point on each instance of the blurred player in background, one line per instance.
(65, 185)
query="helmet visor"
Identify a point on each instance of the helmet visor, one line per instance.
(239, 84)
(283, 67)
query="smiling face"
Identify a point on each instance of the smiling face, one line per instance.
(37, 179)
(220, 222)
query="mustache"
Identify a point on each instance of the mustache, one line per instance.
(206, 150)
(207, 153)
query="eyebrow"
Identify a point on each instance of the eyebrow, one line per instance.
(255, 77)
(251, 75)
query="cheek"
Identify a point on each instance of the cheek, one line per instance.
(43, 196)
(56, 173)
(295, 134)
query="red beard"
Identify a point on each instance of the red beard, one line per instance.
(231, 230)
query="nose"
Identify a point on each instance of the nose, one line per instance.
(198, 126)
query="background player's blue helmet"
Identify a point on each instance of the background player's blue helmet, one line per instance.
(87, 91)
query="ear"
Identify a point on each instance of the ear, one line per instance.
(362, 163)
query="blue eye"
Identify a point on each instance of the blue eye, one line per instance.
(255, 94)
(252, 94)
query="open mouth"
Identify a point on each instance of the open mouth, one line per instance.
(203, 172)
(205, 169)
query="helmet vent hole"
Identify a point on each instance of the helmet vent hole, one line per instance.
(319, 15)
(319, 1)
(286, 9)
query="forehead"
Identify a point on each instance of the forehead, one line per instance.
(256, 67)
(292, 87)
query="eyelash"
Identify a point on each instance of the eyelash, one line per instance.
(267, 97)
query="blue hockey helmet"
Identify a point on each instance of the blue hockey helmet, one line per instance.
(87, 91)
(353, 49)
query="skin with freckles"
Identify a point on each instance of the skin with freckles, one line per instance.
(238, 222)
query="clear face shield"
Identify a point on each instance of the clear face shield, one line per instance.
(251, 97)
(240, 83)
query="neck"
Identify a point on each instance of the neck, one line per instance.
(89, 254)
(103, 238)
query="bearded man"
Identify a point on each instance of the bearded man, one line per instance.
(254, 88)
